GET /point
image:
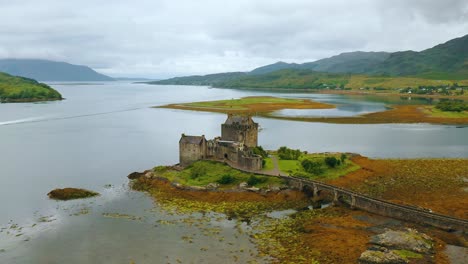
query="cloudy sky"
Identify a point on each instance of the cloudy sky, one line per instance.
(164, 38)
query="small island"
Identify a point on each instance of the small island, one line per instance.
(234, 176)
(71, 194)
(14, 89)
(251, 104)
(447, 111)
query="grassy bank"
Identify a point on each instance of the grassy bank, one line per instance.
(397, 114)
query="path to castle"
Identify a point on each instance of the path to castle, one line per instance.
(276, 171)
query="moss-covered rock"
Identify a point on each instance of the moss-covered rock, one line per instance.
(70, 194)
(410, 240)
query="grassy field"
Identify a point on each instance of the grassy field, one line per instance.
(201, 173)
(294, 167)
(254, 104)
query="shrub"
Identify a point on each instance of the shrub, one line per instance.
(452, 106)
(226, 179)
(254, 180)
(258, 150)
(314, 167)
(331, 162)
(343, 157)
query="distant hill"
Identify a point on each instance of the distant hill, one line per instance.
(447, 61)
(210, 79)
(20, 89)
(350, 62)
(45, 70)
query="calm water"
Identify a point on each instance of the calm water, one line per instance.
(102, 132)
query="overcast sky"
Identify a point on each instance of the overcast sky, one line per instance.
(164, 38)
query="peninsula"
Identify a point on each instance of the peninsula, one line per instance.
(21, 89)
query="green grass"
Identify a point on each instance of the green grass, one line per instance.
(290, 166)
(294, 167)
(241, 103)
(20, 89)
(268, 164)
(432, 111)
(406, 254)
(211, 172)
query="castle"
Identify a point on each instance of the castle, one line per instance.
(239, 134)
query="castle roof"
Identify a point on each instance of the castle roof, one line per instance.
(197, 140)
(239, 119)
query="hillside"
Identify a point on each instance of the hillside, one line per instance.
(45, 70)
(307, 79)
(210, 79)
(20, 89)
(445, 61)
(350, 62)
(442, 70)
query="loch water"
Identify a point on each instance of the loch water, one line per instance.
(104, 131)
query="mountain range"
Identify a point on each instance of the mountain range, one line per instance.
(46, 70)
(447, 61)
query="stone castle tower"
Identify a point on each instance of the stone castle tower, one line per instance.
(239, 134)
(241, 129)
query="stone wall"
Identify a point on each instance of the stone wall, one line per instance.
(247, 134)
(189, 153)
(251, 163)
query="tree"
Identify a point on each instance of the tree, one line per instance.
(285, 153)
(331, 162)
(314, 167)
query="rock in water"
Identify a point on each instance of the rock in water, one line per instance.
(70, 193)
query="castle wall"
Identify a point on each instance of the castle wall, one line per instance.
(252, 163)
(227, 152)
(248, 134)
(189, 153)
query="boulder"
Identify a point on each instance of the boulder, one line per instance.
(212, 186)
(380, 257)
(135, 175)
(243, 185)
(408, 240)
(253, 189)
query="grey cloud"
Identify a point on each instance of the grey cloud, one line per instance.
(162, 38)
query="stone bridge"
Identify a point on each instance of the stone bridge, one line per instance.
(380, 207)
(372, 205)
